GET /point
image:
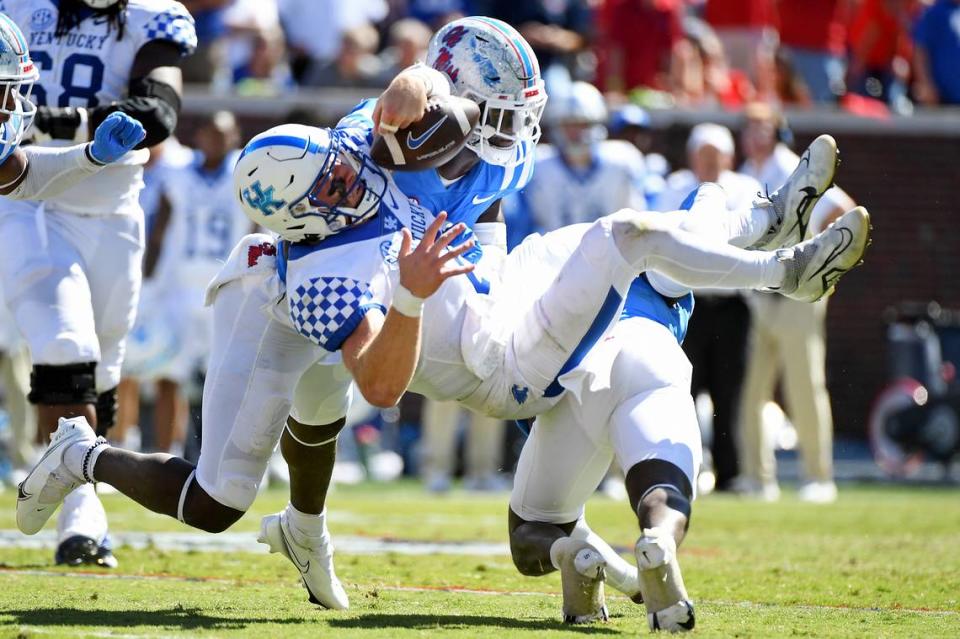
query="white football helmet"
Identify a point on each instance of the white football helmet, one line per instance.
(487, 61)
(17, 75)
(295, 180)
(577, 118)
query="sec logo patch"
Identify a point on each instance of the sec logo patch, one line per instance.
(42, 19)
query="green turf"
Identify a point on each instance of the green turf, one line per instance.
(881, 562)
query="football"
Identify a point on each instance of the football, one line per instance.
(430, 142)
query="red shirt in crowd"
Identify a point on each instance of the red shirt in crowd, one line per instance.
(635, 38)
(884, 22)
(814, 24)
(740, 13)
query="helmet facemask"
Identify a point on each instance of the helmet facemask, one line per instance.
(17, 110)
(329, 196)
(505, 125)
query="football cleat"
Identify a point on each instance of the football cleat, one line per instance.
(668, 606)
(581, 575)
(793, 202)
(814, 266)
(50, 480)
(677, 618)
(80, 550)
(818, 492)
(314, 563)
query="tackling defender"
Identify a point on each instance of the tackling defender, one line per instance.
(72, 277)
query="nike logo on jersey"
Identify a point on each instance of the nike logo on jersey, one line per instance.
(414, 143)
(480, 200)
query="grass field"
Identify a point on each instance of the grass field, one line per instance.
(881, 562)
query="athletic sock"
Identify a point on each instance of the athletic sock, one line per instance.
(620, 574)
(82, 513)
(307, 529)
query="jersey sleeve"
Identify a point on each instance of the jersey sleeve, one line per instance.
(360, 118)
(165, 21)
(327, 310)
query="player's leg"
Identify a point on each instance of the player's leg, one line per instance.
(438, 443)
(657, 441)
(255, 363)
(309, 446)
(560, 467)
(169, 415)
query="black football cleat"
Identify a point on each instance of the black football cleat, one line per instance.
(84, 551)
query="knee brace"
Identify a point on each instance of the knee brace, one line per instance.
(63, 384)
(106, 411)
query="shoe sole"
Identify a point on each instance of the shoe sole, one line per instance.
(829, 279)
(24, 496)
(789, 239)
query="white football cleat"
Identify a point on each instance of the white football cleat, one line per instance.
(814, 266)
(582, 575)
(668, 606)
(315, 564)
(50, 481)
(793, 202)
(818, 492)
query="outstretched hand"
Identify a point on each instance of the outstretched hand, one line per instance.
(425, 268)
(115, 136)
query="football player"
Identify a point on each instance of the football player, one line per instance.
(73, 275)
(347, 282)
(198, 222)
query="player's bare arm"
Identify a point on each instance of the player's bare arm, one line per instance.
(382, 353)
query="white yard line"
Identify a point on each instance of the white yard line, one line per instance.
(247, 542)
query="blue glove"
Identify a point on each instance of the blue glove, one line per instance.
(114, 137)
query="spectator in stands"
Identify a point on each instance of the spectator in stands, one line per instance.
(787, 338)
(356, 64)
(482, 450)
(716, 341)
(880, 47)
(743, 27)
(407, 44)
(314, 29)
(778, 82)
(557, 31)
(211, 29)
(634, 42)
(937, 54)
(255, 48)
(436, 13)
(814, 33)
(699, 75)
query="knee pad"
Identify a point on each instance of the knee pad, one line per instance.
(106, 411)
(63, 384)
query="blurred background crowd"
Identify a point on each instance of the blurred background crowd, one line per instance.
(867, 56)
(613, 67)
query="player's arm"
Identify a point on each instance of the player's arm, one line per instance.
(157, 234)
(382, 352)
(153, 99)
(38, 173)
(405, 99)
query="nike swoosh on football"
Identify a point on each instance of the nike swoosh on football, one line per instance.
(414, 143)
(480, 200)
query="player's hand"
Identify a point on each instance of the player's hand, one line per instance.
(424, 269)
(115, 137)
(403, 103)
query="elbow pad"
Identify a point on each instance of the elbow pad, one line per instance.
(153, 103)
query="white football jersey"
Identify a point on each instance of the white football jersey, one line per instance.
(90, 67)
(206, 221)
(558, 195)
(331, 285)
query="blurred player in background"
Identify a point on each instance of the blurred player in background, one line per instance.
(717, 340)
(72, 277)
(198, 221)
(787, 340)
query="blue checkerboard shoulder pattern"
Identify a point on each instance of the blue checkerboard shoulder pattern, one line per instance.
(174, 24)
(326, 310)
